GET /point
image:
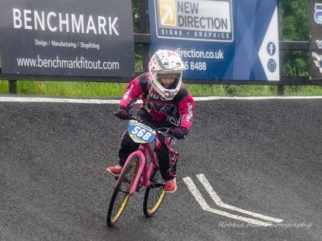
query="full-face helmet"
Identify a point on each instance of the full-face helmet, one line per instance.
(166, 62)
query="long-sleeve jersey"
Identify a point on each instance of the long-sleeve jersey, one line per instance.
(179, 110)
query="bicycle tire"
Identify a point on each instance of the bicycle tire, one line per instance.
(154, 194)
(126, 178)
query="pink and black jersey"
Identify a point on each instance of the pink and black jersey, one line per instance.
(178, 110)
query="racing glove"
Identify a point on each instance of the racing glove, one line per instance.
(179, 132)
(122, 113)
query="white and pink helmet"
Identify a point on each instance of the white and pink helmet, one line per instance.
(166, 62)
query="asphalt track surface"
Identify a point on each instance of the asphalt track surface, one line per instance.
(264, 156)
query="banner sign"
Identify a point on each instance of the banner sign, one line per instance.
(219, 39)
(316, 39)
(67, 37)
(184, 20)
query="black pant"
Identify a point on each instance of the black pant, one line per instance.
(168, 170)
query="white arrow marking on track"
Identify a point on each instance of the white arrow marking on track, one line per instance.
(220, 203)
(202, 202)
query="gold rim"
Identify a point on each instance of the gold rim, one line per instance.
(121, 209)
(157, 203)
(127, 197)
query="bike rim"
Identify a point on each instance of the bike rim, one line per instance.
(157, 203)
(154, 195)
(132, 170)
(120, 209)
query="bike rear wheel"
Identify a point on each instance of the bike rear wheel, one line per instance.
(154, 194)
(121, 192)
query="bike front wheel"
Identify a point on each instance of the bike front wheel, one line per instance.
(154, 194)
(121, 192)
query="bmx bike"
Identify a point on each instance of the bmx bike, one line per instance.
(141, 169)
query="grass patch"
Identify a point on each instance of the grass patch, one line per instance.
(107, 90)
(232, 90)
(4, 88)
(303, 90)
(71, 89)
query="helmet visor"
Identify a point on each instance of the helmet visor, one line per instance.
(168, 80)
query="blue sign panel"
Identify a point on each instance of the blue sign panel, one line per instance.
(315, 39)
(318, 13)
(219, 39)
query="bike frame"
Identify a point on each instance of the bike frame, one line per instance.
(145, 152)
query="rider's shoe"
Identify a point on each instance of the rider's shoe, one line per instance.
(170, 186)
(115, 170)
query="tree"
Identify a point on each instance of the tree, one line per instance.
(294, 16)
(295, 26)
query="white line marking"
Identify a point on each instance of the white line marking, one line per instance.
(197, 195)
(220, 203)
(116, 101)
(258, 98)
(57, 100)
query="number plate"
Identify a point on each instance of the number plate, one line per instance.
(140, 133)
